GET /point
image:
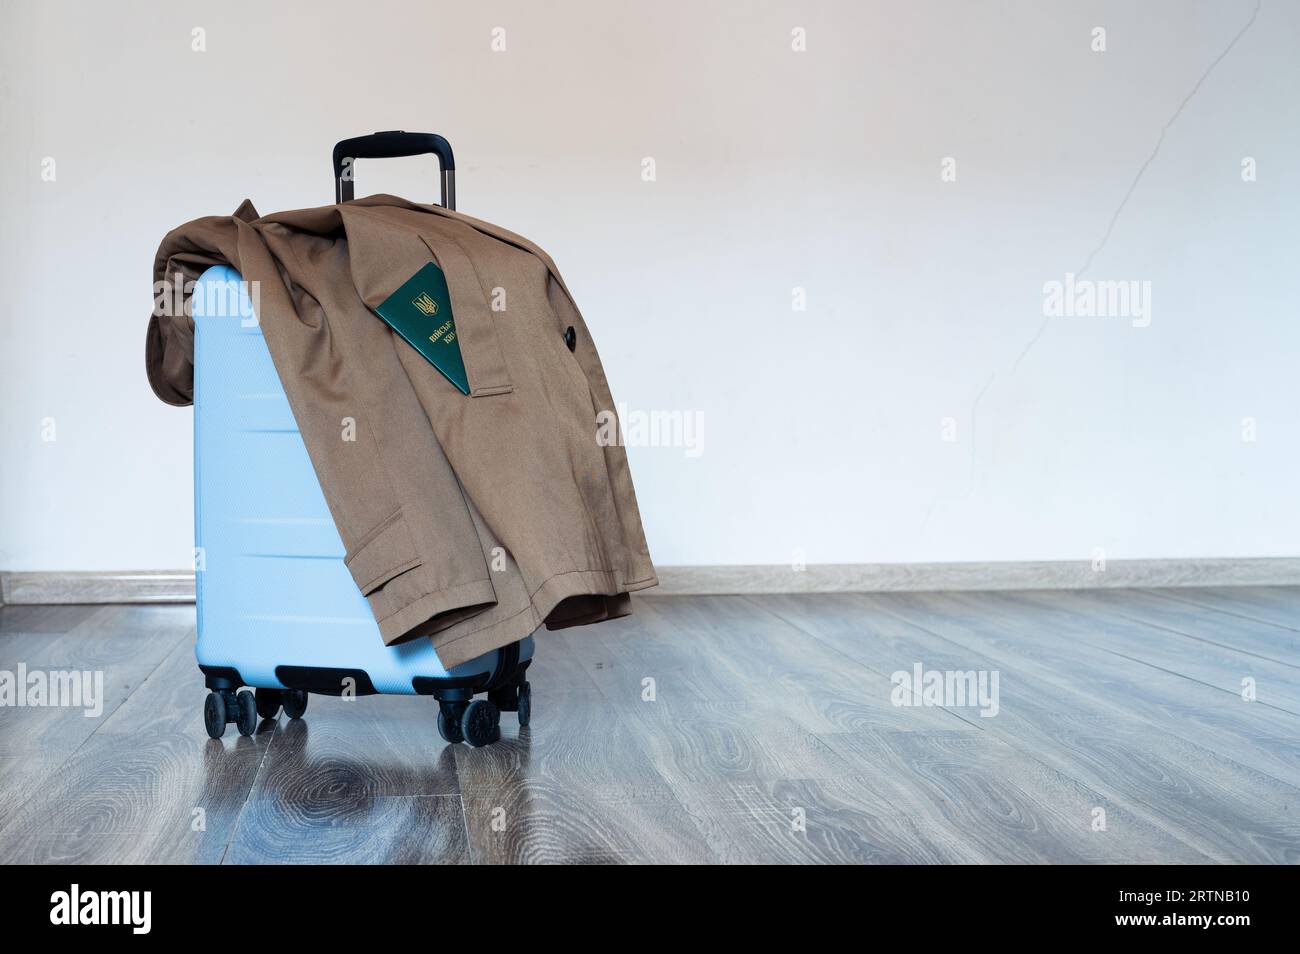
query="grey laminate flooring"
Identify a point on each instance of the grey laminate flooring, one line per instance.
(1130, 726)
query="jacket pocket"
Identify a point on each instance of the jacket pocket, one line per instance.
(383, 553)
(480, 346)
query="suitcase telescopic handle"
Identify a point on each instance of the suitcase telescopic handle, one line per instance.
(388, 145)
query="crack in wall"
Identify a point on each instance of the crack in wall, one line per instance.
(1110, 228)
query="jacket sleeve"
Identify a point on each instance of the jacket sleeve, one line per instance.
(185, 254)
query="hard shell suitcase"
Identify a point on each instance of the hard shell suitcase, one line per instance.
(277, 609)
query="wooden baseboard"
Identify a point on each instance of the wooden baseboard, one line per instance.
(54, 586)
(177, 586)
(1042, 575)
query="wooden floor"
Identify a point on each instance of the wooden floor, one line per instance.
(702, 729)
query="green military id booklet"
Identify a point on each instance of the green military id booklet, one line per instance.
(420, 311)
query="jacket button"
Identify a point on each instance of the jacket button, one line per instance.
(570, 338)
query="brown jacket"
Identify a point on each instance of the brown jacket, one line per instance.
(469, 519)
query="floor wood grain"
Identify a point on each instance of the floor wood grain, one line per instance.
(1127, 726)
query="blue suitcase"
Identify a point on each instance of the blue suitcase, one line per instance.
(277, 609)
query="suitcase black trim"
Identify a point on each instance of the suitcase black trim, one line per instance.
(222, 677)
(508, 671)
(435, 685)
(325, 680)
(328, 680)
(507, 667)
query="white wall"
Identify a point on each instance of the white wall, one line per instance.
(821, 169)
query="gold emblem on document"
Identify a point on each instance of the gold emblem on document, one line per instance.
(427, 305)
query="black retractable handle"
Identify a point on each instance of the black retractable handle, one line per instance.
(388, 145)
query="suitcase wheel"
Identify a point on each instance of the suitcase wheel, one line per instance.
(481, 723)
(449, 727)
(214, 715)
(525, 704)
(476, 722)
(246, 720)
(268, 702)
(225, 705)
(295, 702)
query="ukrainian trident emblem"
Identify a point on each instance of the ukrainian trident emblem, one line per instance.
(426, 305)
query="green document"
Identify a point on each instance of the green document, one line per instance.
(420, 311)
